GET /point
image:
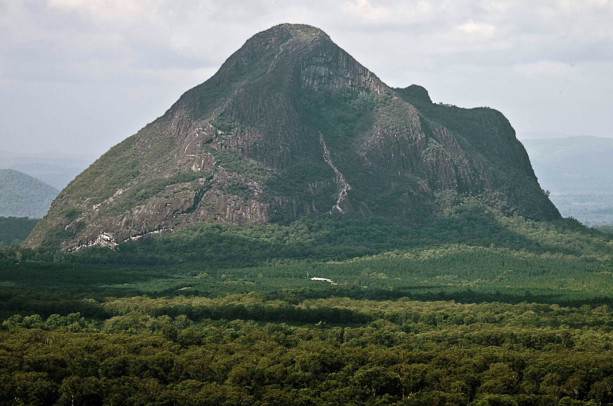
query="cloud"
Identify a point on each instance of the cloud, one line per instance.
(549, 68)
(123, 9)
(477, 28)
(365, 10)
(390, 14)
(190, 34)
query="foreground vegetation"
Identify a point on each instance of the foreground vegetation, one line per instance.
(471, 308)
(252, 349)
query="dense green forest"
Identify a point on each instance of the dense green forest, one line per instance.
(253, 349)
(469, 308)
(13, 230)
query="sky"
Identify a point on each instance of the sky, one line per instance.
(79, 76)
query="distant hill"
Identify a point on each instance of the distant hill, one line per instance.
(605, 229)
(22, 195)
(578, 171)
(54, 170)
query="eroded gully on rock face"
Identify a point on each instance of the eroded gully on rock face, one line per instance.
(344, 187)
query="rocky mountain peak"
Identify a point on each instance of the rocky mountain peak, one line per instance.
(291, 125)
(417, 92)
(301, 32)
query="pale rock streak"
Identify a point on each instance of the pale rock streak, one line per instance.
(344, 187)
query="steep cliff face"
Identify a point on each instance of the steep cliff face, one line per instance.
(292, 125)
(489, 139)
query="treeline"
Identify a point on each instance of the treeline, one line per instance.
(324, 238)
(401, 353)
(226, 245)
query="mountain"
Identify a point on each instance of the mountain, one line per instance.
(578, 171)
(24, 196)
(291, 125)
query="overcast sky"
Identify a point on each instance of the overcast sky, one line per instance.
(78, 76)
